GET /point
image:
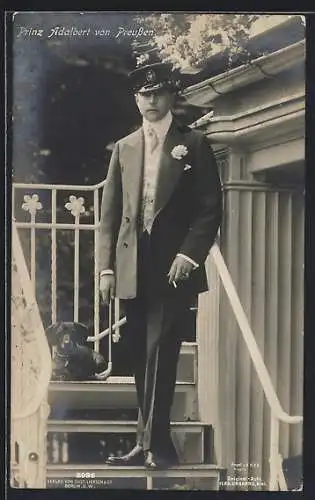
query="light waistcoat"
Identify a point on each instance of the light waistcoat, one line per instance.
(151, 167)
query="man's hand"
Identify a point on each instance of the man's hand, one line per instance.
(107, 287)
(180, 269)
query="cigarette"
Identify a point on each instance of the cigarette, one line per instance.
(174, 284)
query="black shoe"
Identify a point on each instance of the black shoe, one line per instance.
(134, 457)
(153, 461)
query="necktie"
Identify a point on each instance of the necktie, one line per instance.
(153, 139)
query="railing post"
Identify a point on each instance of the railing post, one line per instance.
(274, 450)
(76, 269)
(96, 271)
(149, 482)
(33, 250)
(53, 256)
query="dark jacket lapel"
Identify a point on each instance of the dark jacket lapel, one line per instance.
(170, 168)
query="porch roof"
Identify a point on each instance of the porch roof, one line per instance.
(204, 93)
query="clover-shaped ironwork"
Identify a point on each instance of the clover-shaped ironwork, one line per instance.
(75, 205)
(32, 204)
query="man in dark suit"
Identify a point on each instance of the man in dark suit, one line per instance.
(161, 210)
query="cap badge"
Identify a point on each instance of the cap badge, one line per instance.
(142, 59)
(151, 76)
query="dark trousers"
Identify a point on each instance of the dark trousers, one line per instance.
(154, 343)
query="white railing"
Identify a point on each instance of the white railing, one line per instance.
(77, 209)
(76, 206)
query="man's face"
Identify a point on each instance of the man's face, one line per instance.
(155, 105)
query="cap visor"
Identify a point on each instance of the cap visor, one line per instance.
(151, 88)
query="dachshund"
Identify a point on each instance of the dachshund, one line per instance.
(72, 359)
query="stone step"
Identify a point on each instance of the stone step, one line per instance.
(115, 392)
(193, 440)
(123, 426)
(74, 476)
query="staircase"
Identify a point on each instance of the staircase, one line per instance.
(102, 415)
(96, 418)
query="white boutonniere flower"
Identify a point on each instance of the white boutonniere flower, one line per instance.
(179, 151)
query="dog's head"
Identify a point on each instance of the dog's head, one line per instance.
(66, 335)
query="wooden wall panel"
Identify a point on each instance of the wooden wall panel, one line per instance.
(284, 312)
(243, 380)
(228, 341)
(262, 241)
(258, 285)
(208, 349)
(297, 326)
(271, 310)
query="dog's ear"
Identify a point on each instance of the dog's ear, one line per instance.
(53, 333)
(78, 332)
(81, 333)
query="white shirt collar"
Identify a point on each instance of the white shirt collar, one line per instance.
(160, 127)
